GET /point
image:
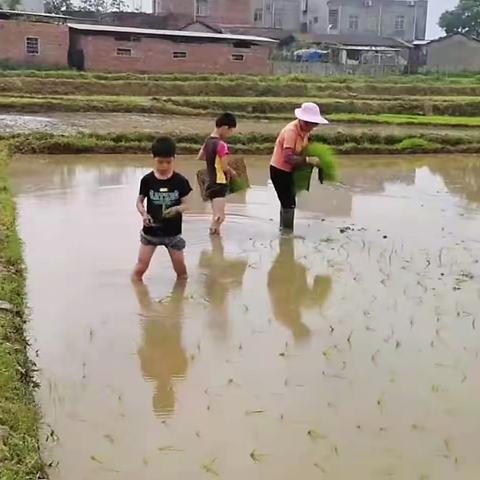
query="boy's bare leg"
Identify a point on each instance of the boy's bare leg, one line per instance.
(145, 255)
(218, 216)
(178, 263)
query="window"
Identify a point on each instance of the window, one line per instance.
(238, 57)
(124, 52)
(202, 8)
(258, 15)
(179, 55)
(333, 19)
(304, 6)
(32, 46)
(315, 20)
(353, 23)
(400, 22)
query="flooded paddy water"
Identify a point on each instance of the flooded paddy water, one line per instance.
(350, 351)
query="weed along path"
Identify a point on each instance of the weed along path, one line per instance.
(348, 351)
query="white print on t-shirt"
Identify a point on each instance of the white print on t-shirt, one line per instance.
(164, 198)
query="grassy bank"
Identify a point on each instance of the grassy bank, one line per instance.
(265, 107)
(249, 144)
(19, 417)
(419, 79)
(247, 87)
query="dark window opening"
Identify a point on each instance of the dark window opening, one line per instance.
(124, 52)
(179, 55)
(333, 19)
(32, 46)
(238, 57)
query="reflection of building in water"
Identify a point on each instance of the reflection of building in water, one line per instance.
(373, 175)
(162, 357)
(326, 200)
(290, 291)
(460, 175)
(221, 276)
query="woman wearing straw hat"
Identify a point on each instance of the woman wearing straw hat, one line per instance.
(287, 155)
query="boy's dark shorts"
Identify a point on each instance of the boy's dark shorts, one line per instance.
(216, 190)
(171, 243)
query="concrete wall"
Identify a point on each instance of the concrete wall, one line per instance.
(155, 55)
(316, 16)
(379, 18)
(326, 69)
(226, 12)
(456, 53)
(53, 42)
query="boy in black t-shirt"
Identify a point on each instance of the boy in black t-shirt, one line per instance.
(165, 191)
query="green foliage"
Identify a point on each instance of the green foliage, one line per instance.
(19, 451)
(464, 18)
(327, 158)
(415, 143)
(58, 7)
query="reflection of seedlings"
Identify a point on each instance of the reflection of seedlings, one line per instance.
(93, 458)
(464, 377)
(349, 339)
(109, 438)
(254, 412)
(319, 467)
(209, 467)
(145, 461)
(256, 456)
(91, 334)
(335, 450)
(168, 448)
(382, 429)
(328, 352)
(435, 388)
(374, 357)
(316, 435)
(52, 436)
(397, 344)
(412, 321)
(381, 402)
(417, 428)
(197, 434)
(474, 324)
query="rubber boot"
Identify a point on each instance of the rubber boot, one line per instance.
(287, 218)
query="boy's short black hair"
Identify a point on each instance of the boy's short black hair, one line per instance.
(164, 147)
(226, 120)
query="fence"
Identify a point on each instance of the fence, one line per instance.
(284, 68)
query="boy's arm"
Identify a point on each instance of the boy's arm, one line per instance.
(222, 152)
(201, 154)
(147, 219)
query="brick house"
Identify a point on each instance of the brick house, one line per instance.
(34, 43)
(115, 49)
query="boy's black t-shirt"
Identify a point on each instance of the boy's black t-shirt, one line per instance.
(162, 195)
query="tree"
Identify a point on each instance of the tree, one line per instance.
(97, 6)
(464, 18)
(118, 5)
(10, 4)
(57, 7)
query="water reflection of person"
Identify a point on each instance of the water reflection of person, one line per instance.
(162, 357)
(221, 275)
(290, 291)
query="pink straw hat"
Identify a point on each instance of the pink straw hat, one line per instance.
(310, 112)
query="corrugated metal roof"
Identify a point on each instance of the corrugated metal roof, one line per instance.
(359, 39)
(19, 13)
(169, 33)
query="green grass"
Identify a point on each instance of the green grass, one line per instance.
(247, 106)
(235, 86)
(19, 453)
(261, 144)
(450, 79)
(396, 119)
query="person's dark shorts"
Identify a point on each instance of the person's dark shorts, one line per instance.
(171, 243)
(217, 190)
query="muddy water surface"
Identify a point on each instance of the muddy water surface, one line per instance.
(350, 351)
